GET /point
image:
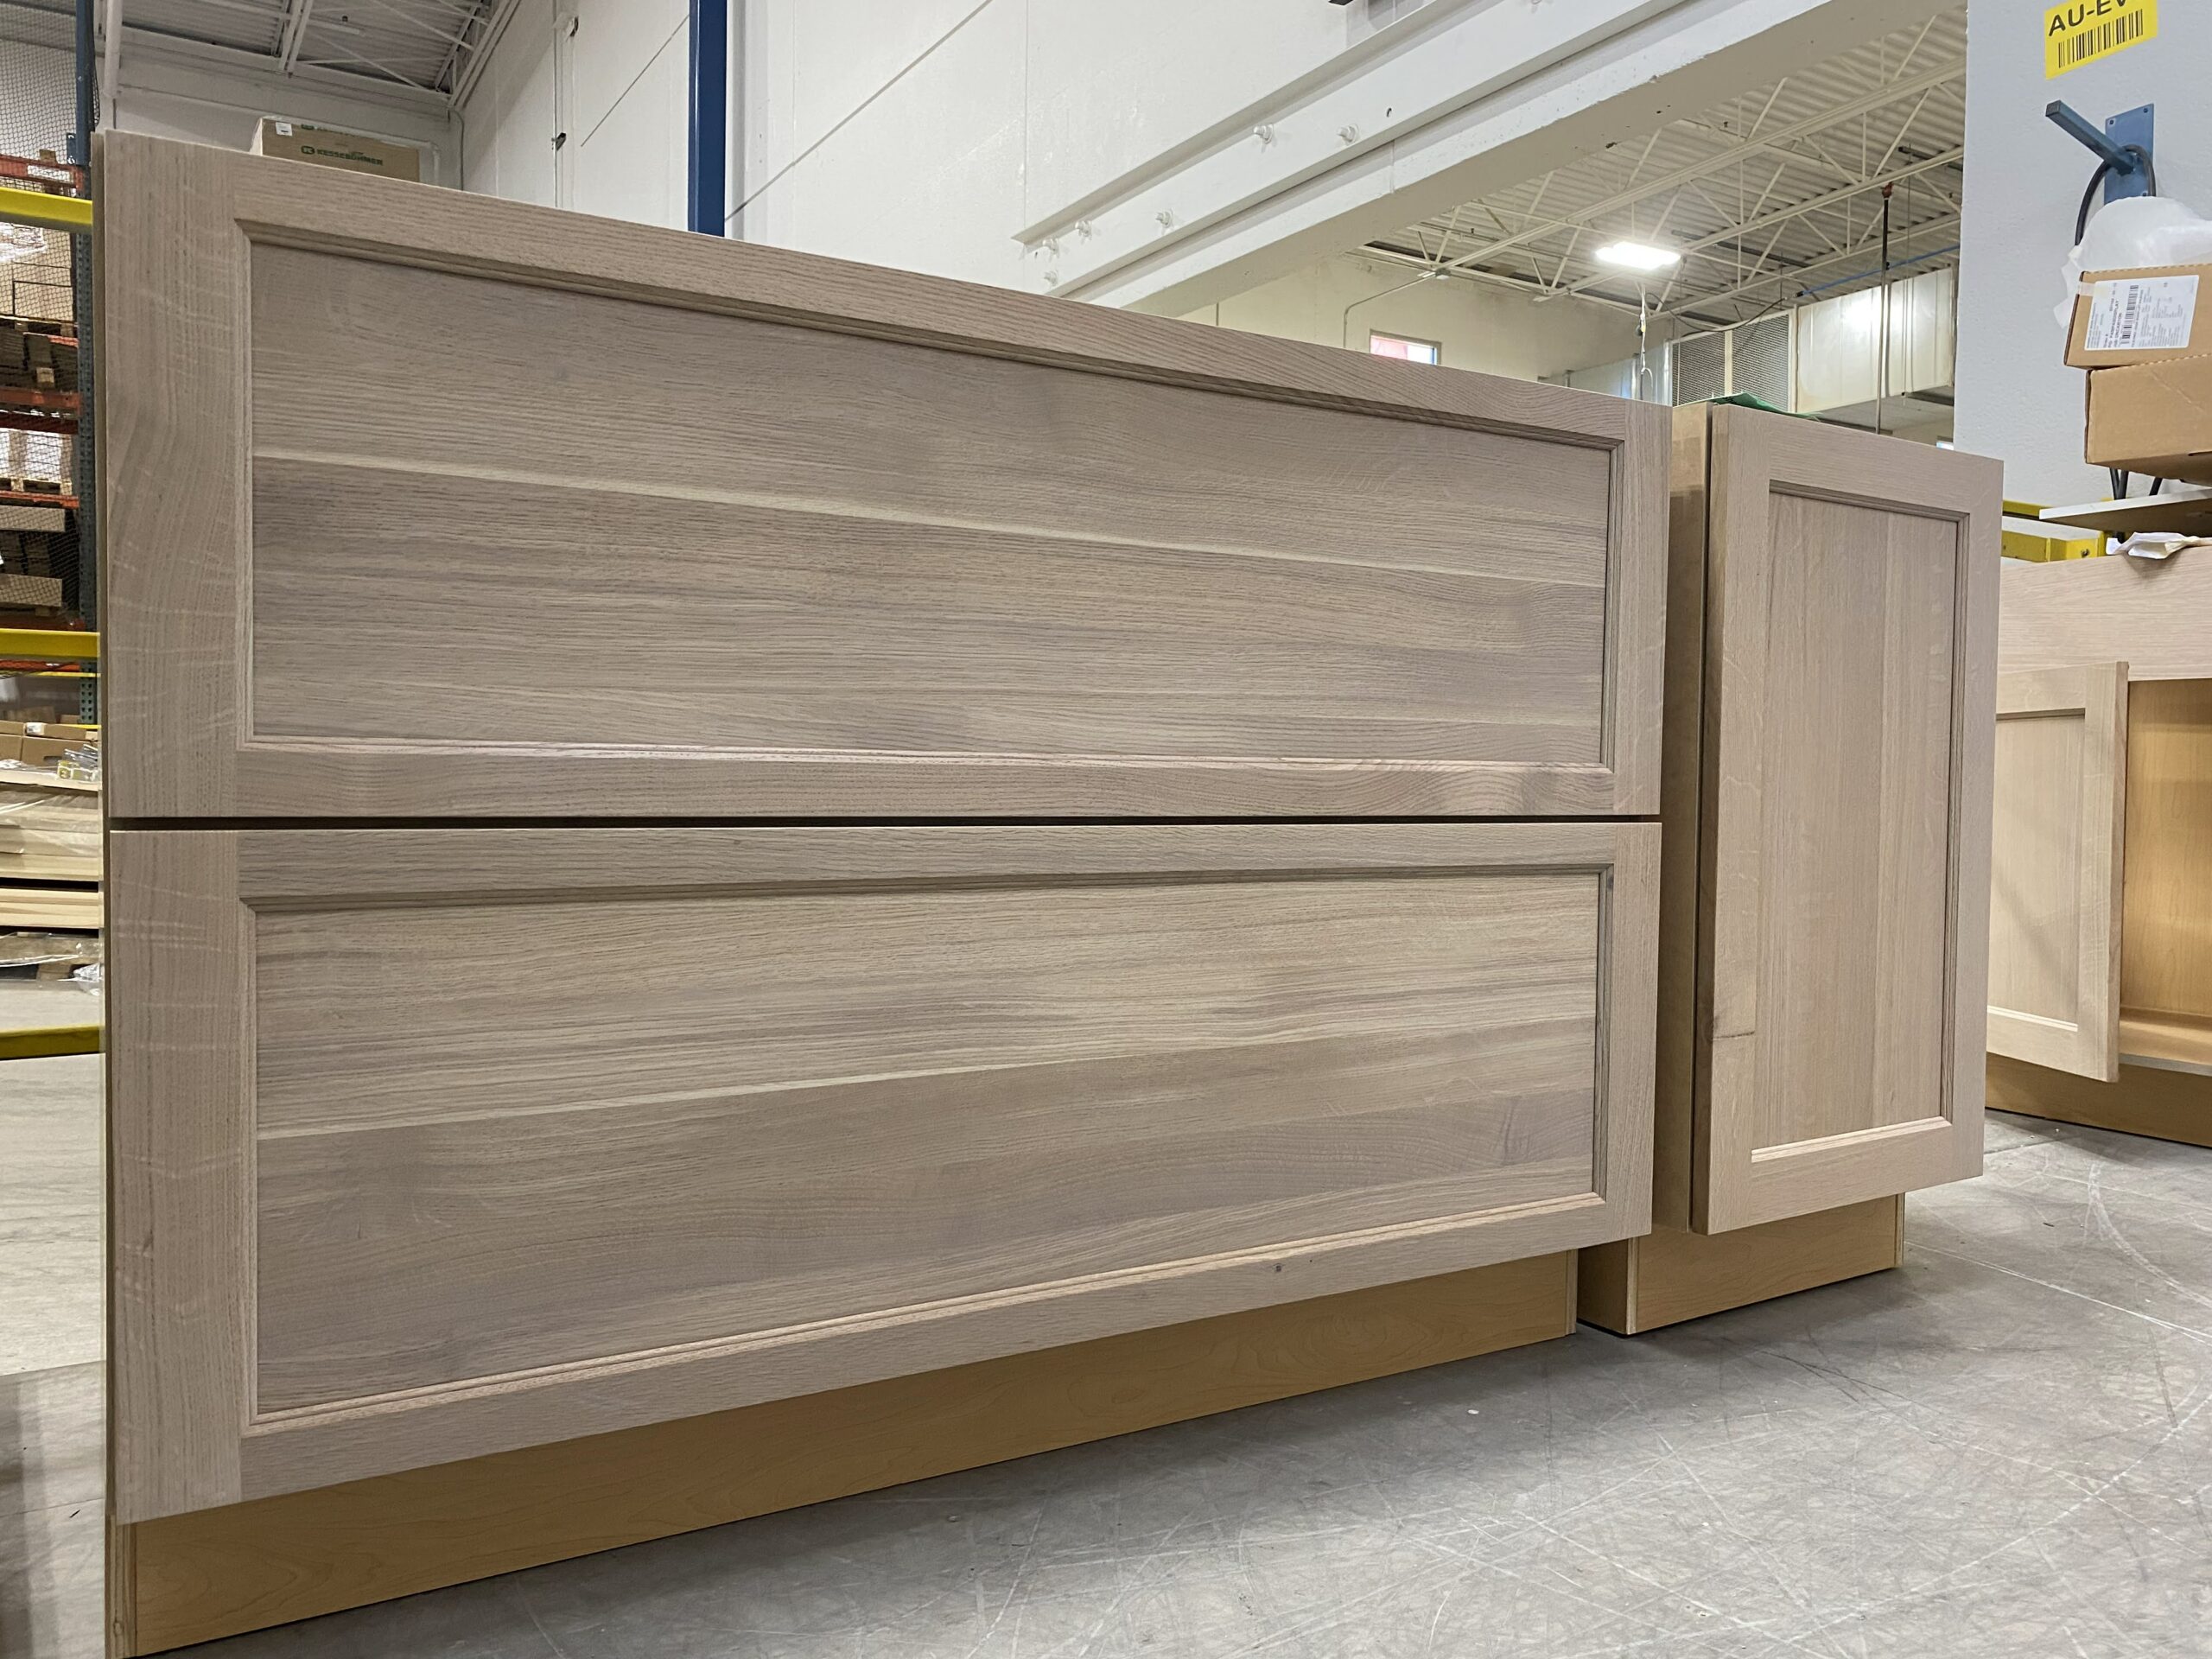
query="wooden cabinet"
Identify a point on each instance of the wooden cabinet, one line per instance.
(1843, 778)
(1832, 615)
(696, 825)
(2101, 901)
(471, 508)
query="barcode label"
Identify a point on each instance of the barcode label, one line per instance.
(2141, 314)
(2085, 30)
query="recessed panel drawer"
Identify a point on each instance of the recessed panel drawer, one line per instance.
(431, 1143)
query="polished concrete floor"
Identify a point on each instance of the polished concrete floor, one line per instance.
(2001, 1450)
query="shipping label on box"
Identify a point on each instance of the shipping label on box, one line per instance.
(2141, 314)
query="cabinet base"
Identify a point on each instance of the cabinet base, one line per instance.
(192, 1578)
(2148, 1100)
(1668, 1275)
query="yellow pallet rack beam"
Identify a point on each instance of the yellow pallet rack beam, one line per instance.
(55, 643)
(38, 207)
(42, 1042)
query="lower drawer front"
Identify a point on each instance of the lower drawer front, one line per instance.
(473, 1139)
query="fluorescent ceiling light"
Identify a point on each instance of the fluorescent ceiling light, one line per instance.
(1636, 255)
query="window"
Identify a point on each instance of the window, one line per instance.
(1413, 351)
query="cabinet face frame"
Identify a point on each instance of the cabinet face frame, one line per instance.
(187, 1431)
(1753, 457)
(2088, 1044)
(178, 237)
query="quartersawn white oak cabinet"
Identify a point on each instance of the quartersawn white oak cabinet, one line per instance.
(474, 508)
(520, 1038)
(1832, 617)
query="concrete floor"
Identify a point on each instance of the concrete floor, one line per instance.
(2001, 1450)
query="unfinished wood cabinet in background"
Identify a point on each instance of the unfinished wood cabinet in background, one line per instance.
(2133, 897)
(1832, 615)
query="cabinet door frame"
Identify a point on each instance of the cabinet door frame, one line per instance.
(1754, 457)
(2089, 1045)
(178, 235)
(186, 1434)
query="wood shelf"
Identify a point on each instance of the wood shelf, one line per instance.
(2183, 515)
(2173, 1039)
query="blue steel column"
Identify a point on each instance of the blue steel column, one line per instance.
(709, 115)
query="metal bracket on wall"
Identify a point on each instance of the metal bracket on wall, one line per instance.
(2124, 145)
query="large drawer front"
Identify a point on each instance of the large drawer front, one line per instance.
(426, 506)
(432, 1143)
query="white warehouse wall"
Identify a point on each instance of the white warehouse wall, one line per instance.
(508, 126)
(1165, 155)
(586, 107)
(1149, 153)
(2017, 399)
(1479, 325)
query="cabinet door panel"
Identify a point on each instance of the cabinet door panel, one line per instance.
(431, 1143)
(426, 505)
(1845, 842)
(2054, 868)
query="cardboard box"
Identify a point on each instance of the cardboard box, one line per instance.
(2145, 338)
(2152, 316)
(2153, 418)
(295, 140)
(45, 751)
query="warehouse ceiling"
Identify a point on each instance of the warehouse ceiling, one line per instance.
(1770, 197)
(427, 45)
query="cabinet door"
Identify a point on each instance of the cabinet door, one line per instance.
(1844, 868)
(422, 504)
(433, 1143)
(2054, 868)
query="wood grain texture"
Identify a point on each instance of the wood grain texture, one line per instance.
(2181, 1039)
(1670, 1274)
(2155, 615)
(2056, 865)
(1847, 708)
(2156, 1101)
(180, 1089)
(1681, 813)
(2166, 957)
(564, 1131)
(36, 907)
(196, 1577)
(937, 551)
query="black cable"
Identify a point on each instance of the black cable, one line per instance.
(2089, 195)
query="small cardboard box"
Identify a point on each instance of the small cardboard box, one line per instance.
(2153, 418)
(295, 140)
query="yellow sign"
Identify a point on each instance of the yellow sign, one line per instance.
(2082, 31)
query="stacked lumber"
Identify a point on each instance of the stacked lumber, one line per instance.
(49, 847)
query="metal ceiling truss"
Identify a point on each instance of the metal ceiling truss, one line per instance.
(436, 48)
(1765, 197)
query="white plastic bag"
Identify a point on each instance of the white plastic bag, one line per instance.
(2131, 234)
